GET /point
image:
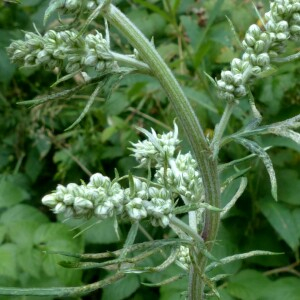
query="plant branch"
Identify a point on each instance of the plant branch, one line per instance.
(188, 120)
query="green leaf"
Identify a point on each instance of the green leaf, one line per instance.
(22, 213)
(58, 237)
(263, 155)
(6, 67)
(121, 289)
(10, 193)
(2, 233)
(284, 288)
(30, 261)
(8, 264)
(200, 98)
(248, 285)
(281, 219)
(289, 186)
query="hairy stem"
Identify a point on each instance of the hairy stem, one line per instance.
(200, 147)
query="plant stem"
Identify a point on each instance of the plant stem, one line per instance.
(200, 147)
(220, 128)
(131, 62)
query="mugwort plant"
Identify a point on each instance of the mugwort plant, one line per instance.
(176, 183)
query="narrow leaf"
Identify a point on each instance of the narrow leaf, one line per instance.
(166, 281)
(263, 155)
(235, 257)
(61, 291)
(88, 105)
(236, 196)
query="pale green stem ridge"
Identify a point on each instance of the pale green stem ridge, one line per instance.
(189, 122)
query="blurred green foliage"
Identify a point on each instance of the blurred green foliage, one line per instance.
(36, 153)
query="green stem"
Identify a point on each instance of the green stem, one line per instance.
(220, 128)
(184, 112)
(131, 62)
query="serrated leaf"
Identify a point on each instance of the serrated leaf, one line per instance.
(263, 155)
(281, 219)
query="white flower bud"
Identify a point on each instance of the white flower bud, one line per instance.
(282, 26)
(104, 210)
(249, 40)
(97, 180)
(59, 208)
(68, 199)
(82, 203)
(136, 209)
(282, 36)
(259, 46)
(263, 60)
(255, 31)
(49, 200)
(240, 91)
(90, 60)
(227, 76)
(256, 70)
(238, 79)
(221, 85)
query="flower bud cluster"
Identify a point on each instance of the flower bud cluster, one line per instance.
(66, 49)
(143, 199)
(183, 256)
(103, 198)
(155, 150)
(74, 6)
(100, 198)
(283, 22)
(182, 176)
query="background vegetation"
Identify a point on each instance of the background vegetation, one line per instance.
(36, 153)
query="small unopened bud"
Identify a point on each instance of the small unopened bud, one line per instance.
(49, 200)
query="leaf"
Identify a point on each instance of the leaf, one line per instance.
(7, 69)
(200, 98)
(57, 237)
(232, 194)
(121, 289)
(248, 285)
(283, 288)
(289, 186)
(8, 264)
(281, 219)
(263, 155)
(30, 260)
(22, 213)
(10, 193)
